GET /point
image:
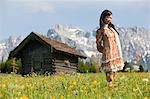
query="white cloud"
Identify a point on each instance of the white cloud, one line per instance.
(29, 6)
(38, 6)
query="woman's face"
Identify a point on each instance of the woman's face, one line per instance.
(107, 19)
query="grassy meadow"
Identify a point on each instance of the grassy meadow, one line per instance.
(75, 86)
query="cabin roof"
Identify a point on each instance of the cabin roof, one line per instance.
(55, 44)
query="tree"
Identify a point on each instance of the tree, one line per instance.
(86, 67)
(141, 68)
(126, 65)
(11, 65)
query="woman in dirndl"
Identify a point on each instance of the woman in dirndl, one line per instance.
(108, 43)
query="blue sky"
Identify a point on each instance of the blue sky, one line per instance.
(20, 17)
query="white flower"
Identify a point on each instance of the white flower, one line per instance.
(145, 79)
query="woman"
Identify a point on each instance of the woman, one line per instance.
(109, 45)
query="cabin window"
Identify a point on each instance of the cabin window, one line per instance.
(67, 63)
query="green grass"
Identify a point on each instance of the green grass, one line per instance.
(75, 86)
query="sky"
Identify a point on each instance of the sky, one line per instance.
(21, 17)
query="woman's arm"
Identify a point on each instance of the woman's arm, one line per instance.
(99, 36)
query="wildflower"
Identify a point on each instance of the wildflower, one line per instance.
(24, 97)
(94, 89)
(134, 89)
(109, 97)
(94, 82)
(14, 90)
(71, 86)
(145, 98)
(145, 79)
(53, 97)
(81, 90)
(65, 87)
(22, 87)
(61, 97)
(1, 95)
(3, 85)
(84, 87)
(72, 82)
(68, 95)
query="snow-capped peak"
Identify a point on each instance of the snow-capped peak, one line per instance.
(135, 42)
(65, 28)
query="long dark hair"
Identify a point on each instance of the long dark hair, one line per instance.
(103, 15)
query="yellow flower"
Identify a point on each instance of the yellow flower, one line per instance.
(1, 95)
(72, 82)
(71, 86)
(68, 95)
(84, 87)
(134, 89)
(145, 98)
(81, 90)
(94, 82)
(3, 85)
(24, 97)
(13, 90)
(53, 97)
(22, 87)
(65, 87)
(94, 89)
(61, 97)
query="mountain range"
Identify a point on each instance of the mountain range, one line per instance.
(135, 42)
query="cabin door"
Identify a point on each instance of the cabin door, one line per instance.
(47, 65)
(37, 64)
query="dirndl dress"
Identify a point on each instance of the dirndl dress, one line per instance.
(108, 43)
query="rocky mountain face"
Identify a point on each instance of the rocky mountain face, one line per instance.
(7, 45)
(74, 37)
(135, 42)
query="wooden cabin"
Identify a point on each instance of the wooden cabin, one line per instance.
(40, 53)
